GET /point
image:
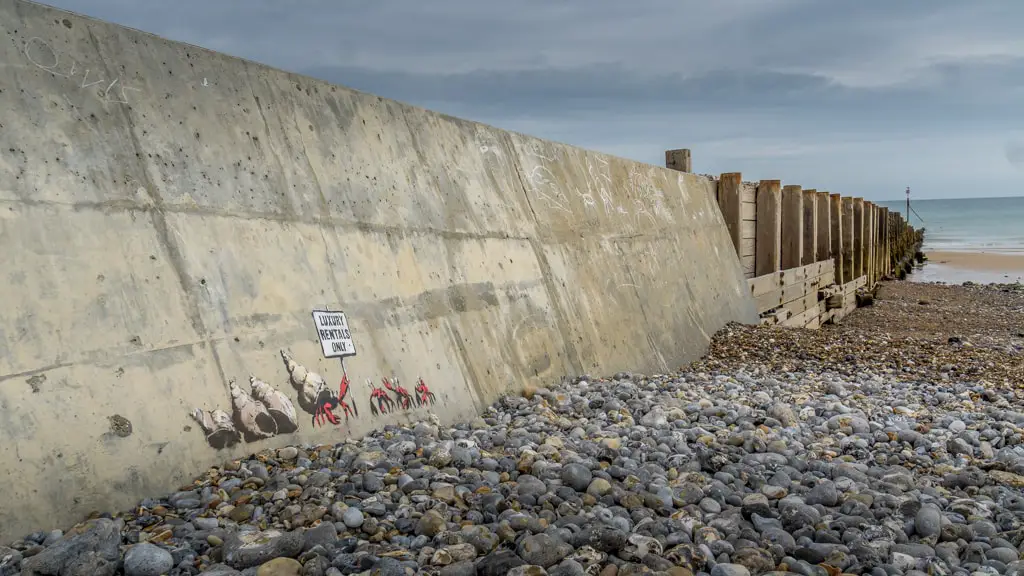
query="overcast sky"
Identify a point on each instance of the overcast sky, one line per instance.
(863, 97)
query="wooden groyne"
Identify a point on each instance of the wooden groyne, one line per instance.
(810, 257)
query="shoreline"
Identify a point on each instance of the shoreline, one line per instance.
(970, 266)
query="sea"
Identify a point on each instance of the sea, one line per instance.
(992, 225)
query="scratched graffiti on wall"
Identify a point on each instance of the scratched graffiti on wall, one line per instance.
(108, 90)
(264, 411)
(641, 202)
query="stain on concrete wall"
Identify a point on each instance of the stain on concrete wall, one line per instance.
(178, 213)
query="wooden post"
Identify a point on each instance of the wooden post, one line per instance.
(835, 211)
(810, 227)
(892, 241)
(729, 203)
(824, 241)
(868, 241)
(679, 160)
(884, 266)
(899, 237)
(748, 227)
(858, 237)
(768, 242)
(792, 227)
(868, 231)
(849, 271)
(875, 243)
(876, 254)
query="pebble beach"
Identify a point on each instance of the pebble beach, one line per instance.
(890, 444)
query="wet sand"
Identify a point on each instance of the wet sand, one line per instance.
(979, 267)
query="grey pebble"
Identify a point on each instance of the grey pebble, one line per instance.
(352, 517)
(147, 560)
(725, 472)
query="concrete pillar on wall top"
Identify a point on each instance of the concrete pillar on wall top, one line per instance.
(679, 159)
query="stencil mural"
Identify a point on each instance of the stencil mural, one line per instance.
(402, 396)
(380, 400)
(393, 397)
(424, 397)
(264, 411)
(314, 395)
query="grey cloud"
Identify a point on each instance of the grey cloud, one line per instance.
(690, 36)
(615, 89)
(1015, 153)
(867, 95)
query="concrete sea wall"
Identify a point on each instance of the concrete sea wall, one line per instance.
(170, 217)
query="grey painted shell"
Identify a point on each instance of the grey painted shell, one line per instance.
(279, 405)
(251, 415)
(307, 383)
(217, 425)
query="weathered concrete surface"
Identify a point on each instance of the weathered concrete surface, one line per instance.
(169, 217)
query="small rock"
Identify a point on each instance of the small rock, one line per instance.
(599, 487)
(498, 563)
(729, 570)
(280, 567)
(430, 524)
(543, 550)
(464, 568)
(352, 517)
(249, 549)
(928, 521)
(147, 560)
(528, 571)
(823, 493)
(577, 476)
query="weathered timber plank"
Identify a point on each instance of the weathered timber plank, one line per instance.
(792, 226)
(769, 233)
(760, 285)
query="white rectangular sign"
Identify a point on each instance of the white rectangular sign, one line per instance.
(332, 329)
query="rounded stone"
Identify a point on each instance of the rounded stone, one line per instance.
(430, 524)
(577, 476)
(928, 521)
(280, 567)
(730, 570)
(147, 560)
(599, 487)
(352, 517)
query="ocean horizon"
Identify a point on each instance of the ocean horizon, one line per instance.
(993, 225)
